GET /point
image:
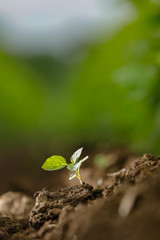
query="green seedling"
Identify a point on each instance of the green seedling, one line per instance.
(58, 162)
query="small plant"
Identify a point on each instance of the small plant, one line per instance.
(58, 162)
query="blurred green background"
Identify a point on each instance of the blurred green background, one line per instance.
(103, 91)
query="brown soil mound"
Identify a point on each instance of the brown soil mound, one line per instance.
(127, 208)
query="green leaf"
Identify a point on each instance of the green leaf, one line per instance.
(72, 176)
(76, 155)
(54, 163)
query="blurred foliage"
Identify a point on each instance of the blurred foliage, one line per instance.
(110, 96)
(101, 161)
(121, 77)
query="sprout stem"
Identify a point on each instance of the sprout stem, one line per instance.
(79, 176)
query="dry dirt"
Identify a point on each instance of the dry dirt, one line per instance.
(124, 205)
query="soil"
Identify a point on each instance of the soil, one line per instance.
(121, 204)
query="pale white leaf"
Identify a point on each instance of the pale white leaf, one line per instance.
(72, 176)
(76, 155)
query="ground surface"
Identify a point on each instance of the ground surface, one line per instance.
(121, 204)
